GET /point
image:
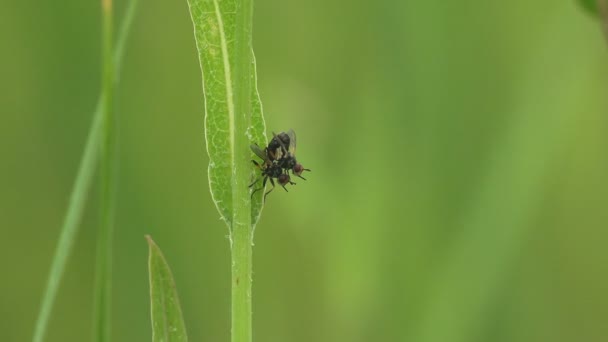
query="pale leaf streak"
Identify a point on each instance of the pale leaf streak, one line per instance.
(212, 12)
(228, 78)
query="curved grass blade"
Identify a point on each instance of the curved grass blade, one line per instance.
(80, 190)
(228, 133)
(103, 263)
(166, 313)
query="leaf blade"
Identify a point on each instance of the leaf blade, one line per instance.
(80, 189)
(165, 310)
(215, 34)
(258, 136)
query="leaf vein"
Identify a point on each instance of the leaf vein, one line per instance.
(228, 78)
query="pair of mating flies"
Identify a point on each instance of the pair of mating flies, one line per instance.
(279, 158)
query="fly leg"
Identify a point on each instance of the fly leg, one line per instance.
(257, 179)
(258, 189)
(269, 191)
(259, 167)
(288, 181)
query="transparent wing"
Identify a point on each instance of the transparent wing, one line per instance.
(278, 146)
(259, 152)
(292, 142)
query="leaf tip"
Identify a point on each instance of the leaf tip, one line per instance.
(151, 244)
(149, 240)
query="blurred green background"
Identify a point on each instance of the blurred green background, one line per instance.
(459, 161)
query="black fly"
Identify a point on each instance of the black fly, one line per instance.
(270, 170)
(282, 148)
(279, 158)
(278, 146)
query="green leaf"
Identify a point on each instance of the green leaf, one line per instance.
(80, 189)
(258, 136)
(233, 121)
(103, 266)
(228, 133)
(167, 321)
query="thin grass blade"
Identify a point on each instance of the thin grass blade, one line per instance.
(80, 190)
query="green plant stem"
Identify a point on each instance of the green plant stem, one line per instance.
(241, 284)
(242, 232)
(103, 271)
(79, 193)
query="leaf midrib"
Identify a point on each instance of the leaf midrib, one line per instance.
(228, 82)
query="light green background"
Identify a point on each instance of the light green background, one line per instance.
(458, 191)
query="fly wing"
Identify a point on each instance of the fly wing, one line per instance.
(278, 146)
(292, 142)
(260, 153)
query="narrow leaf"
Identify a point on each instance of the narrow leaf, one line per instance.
(233, 121)
(80, 189)
(102, 326)
(167, 320)
(216, 35)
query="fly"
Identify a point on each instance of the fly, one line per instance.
(282, 148)
(270, 170)
(279, 157)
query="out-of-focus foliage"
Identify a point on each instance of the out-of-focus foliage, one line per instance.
(458, 190)
(589, 5)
